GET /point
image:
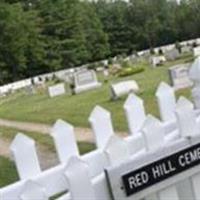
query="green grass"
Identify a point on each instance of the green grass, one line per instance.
(76, 109)
(8, 173)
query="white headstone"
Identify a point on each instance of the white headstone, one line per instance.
(179, 76)
(184, 102)
(166, 102)
(25, 156)
(135, 113)
(196, 96)
(101, 123)
(153, 132)
(56, 90)
(124, 88)
(116, 150)
(77, 174)
(33, 191)
(186, 120)
(65, 142)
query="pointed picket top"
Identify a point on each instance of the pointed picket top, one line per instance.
(21, 140)
(33, 190)
(153, 133)
(166, 101)
(196, 97)
(101, 123)
(186, 120)
(184, 102)
(194, 72)
(65, 141)
(77, 174)
(163, 88)
(116, 150)
(135, 113)
(25, 156)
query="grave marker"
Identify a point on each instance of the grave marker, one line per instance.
(123, 88)
(56, 90)
(85, 80)
(64, 139)
(25, 156)
(179, 76)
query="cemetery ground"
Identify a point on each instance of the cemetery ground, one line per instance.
(76, 109)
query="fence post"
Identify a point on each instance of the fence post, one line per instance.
(64, 139)
(33, 191)
(101, 123)
(135, 113)
(80, 185)
(166, 102)
(25, 156)
(153, 132)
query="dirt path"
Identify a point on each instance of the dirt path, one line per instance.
(82, 134)
(47, 158)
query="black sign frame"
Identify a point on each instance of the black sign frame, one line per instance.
(161, 170)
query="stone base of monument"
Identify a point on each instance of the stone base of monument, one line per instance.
(84, 88)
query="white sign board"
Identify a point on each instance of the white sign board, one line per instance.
(56, 90)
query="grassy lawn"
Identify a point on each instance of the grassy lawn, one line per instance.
(76, 109)
(8, 173)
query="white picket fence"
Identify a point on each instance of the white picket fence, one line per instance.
(84, 177)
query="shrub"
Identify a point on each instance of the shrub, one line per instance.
(128, 71)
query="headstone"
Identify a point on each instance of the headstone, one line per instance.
(101, 123)
(196, 51)
(77, 175)
(153, 132)
(56, 90)
(124, 88)
(179, 76)
(172, 54)
(166, 101)
(186, 119)
(33, 191)
(186, 49)
(184, 102)
(157, 60)
(65, 142)
(85, 80)
(25, 156)
(116, 150)
(135, 113)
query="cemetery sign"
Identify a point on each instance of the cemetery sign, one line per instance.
(161, 170)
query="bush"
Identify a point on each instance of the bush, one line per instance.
(128, 71)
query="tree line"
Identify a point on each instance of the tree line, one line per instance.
(39, 36)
